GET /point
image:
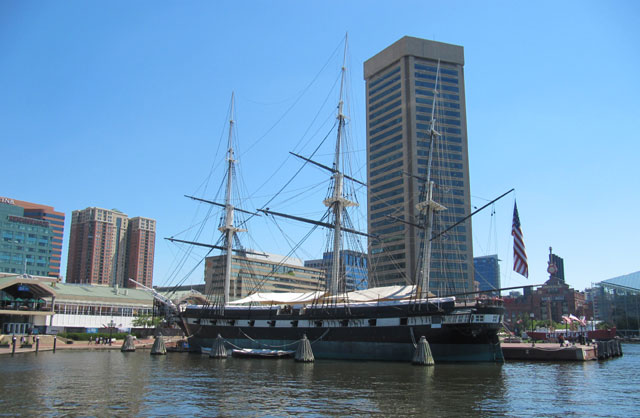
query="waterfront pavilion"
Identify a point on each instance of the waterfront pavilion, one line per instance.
(617, 301)
(23, 303)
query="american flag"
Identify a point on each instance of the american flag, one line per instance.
(519, 255)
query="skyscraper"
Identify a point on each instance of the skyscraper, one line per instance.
(140, 250)
(400, 84)
(108, 248)
(353, 267)
(487, 272)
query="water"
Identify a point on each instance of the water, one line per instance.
(111, 383)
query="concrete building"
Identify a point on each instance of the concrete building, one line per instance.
(353, 268)
(26, 243)
(250, 274)
(400, 84)
(104, 250)
(487, 272)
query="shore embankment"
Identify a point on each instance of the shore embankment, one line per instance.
(32, 344)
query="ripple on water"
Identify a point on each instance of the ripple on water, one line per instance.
(93, 383)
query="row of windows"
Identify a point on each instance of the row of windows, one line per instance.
(393, 88)
(442, 130)
(391, 257)
(396, 228)
(387, 204)
(393, 266)
(375, 173)
(429, 102)
(385, 77)
(442, 95)
(446, 164)
(388, 249)
(378, 163)
(397, 129)
(427, 110)
(448, 147)
(445, 155)
(386, 126)
(433, 86)
(435, 69)
(385, 109)
(385, 118)
(394, 183)
(383, 85)
(383, 222)
(433, 77)
(394, 96)
(439, 173)
(389, 176)
(387, 150)
(381, 214)
(443, 138)
(445, 120)
(24, 227)
(99, 310)
(386, 195)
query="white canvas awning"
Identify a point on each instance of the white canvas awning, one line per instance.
(375, 294)
(382, 293)
(276, 298)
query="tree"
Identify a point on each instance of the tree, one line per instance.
(145, 321)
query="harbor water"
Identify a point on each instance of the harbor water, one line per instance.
(111, 383)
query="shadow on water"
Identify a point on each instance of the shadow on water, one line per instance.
(92, 383)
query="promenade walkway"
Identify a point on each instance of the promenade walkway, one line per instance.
(46, 344)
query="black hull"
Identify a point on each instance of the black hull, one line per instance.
(388, 333)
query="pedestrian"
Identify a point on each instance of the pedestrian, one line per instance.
(561, 340)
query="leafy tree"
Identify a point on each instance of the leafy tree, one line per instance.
(146, 321)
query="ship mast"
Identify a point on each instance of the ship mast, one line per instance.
(228, 229)
(337, 201)
(428, 207)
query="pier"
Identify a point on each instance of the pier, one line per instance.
(600, 350)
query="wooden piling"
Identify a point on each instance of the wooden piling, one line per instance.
(158, 347)
(304, 354)
(37, 344)
(218, 349)
(422, 355)
(128, 344)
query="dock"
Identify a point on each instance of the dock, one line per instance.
(554, 352)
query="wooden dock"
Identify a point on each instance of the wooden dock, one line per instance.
(554, 352)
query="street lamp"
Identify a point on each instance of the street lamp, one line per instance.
(531, 315)
(111, 326)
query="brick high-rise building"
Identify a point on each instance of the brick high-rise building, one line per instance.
(140, 250)
(102, 251)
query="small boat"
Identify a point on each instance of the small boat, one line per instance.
(262, 353)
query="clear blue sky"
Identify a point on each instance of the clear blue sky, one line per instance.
(123, 105)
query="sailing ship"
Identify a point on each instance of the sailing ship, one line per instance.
(378, 323)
